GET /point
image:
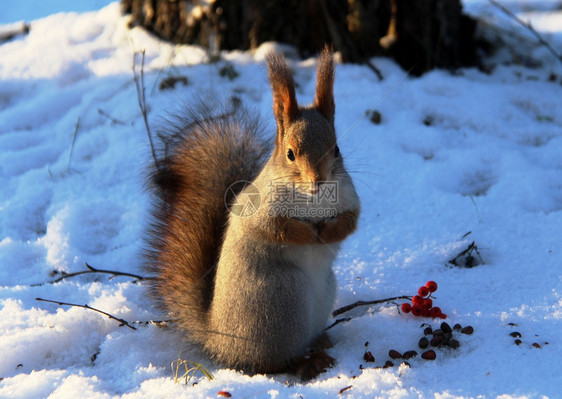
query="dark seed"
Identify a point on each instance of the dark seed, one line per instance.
(429, 355)
(376, 117)
(536, 345)
(518, 342)
(448, 336)
(436, 341)
(515, 334)
(457, 327)
(453, 343)
(428, 331)
(410, 354)
(446, 327)
(467, 330)
(424, 343)
(368, 357)
(388, 364)
(394, 354)
(438, 332)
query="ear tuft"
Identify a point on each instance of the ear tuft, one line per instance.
(285, 104)
(324, 101)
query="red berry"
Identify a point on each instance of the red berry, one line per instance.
(406, 308)
(431, 286)
(425, 312)
(434, 312)
(418, 300)
(423, 291)
(443, 315)
(417, 310)
(428, 303)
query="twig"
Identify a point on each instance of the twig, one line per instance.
(373, 68)
(141, 96)
(338, 321)
(528, 26)
(347, 388)
(76, 127)
(90, 270)
(157, 323)
(16, 30)
(86, 306)
(112, 119)
(465, 258)
(366, 303)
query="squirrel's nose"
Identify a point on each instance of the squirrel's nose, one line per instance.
(314, 177)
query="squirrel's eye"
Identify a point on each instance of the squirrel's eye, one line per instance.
(290, 155)
(337, 151)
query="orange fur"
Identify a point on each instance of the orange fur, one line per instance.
(339, 228)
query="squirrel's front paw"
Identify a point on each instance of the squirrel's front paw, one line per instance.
(339, 228)
(300, 232)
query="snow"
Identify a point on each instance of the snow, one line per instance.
(488, 163)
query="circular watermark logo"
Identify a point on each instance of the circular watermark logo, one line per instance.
(242, 198)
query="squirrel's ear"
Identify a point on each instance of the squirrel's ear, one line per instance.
(285, 104)
(324, 101)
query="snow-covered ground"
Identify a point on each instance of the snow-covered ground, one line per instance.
(487, 160)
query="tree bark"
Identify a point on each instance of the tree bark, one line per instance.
(419, 34)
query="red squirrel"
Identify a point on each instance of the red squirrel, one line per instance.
(254, 290)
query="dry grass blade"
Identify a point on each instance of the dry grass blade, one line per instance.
(190, 368)
(76, 127)
(529, 27)
(141, 96)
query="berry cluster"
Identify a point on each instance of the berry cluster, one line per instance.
(422, 304)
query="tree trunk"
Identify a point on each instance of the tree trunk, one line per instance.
(418, 34)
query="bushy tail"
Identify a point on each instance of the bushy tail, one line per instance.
(209, 148)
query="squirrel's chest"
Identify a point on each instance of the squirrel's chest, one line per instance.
(315, 262)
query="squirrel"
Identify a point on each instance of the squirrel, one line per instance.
(246, 269)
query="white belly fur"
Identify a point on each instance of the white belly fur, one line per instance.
(316, 263)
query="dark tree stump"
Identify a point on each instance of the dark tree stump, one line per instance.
(418, 34)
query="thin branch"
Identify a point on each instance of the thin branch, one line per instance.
(141, 96)
(529, 27)
(157, 323)
(86, 306)
(347, 308)
(373, 68)
(21, 29)
(112, 119)
(92, 269)
(338, 321)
